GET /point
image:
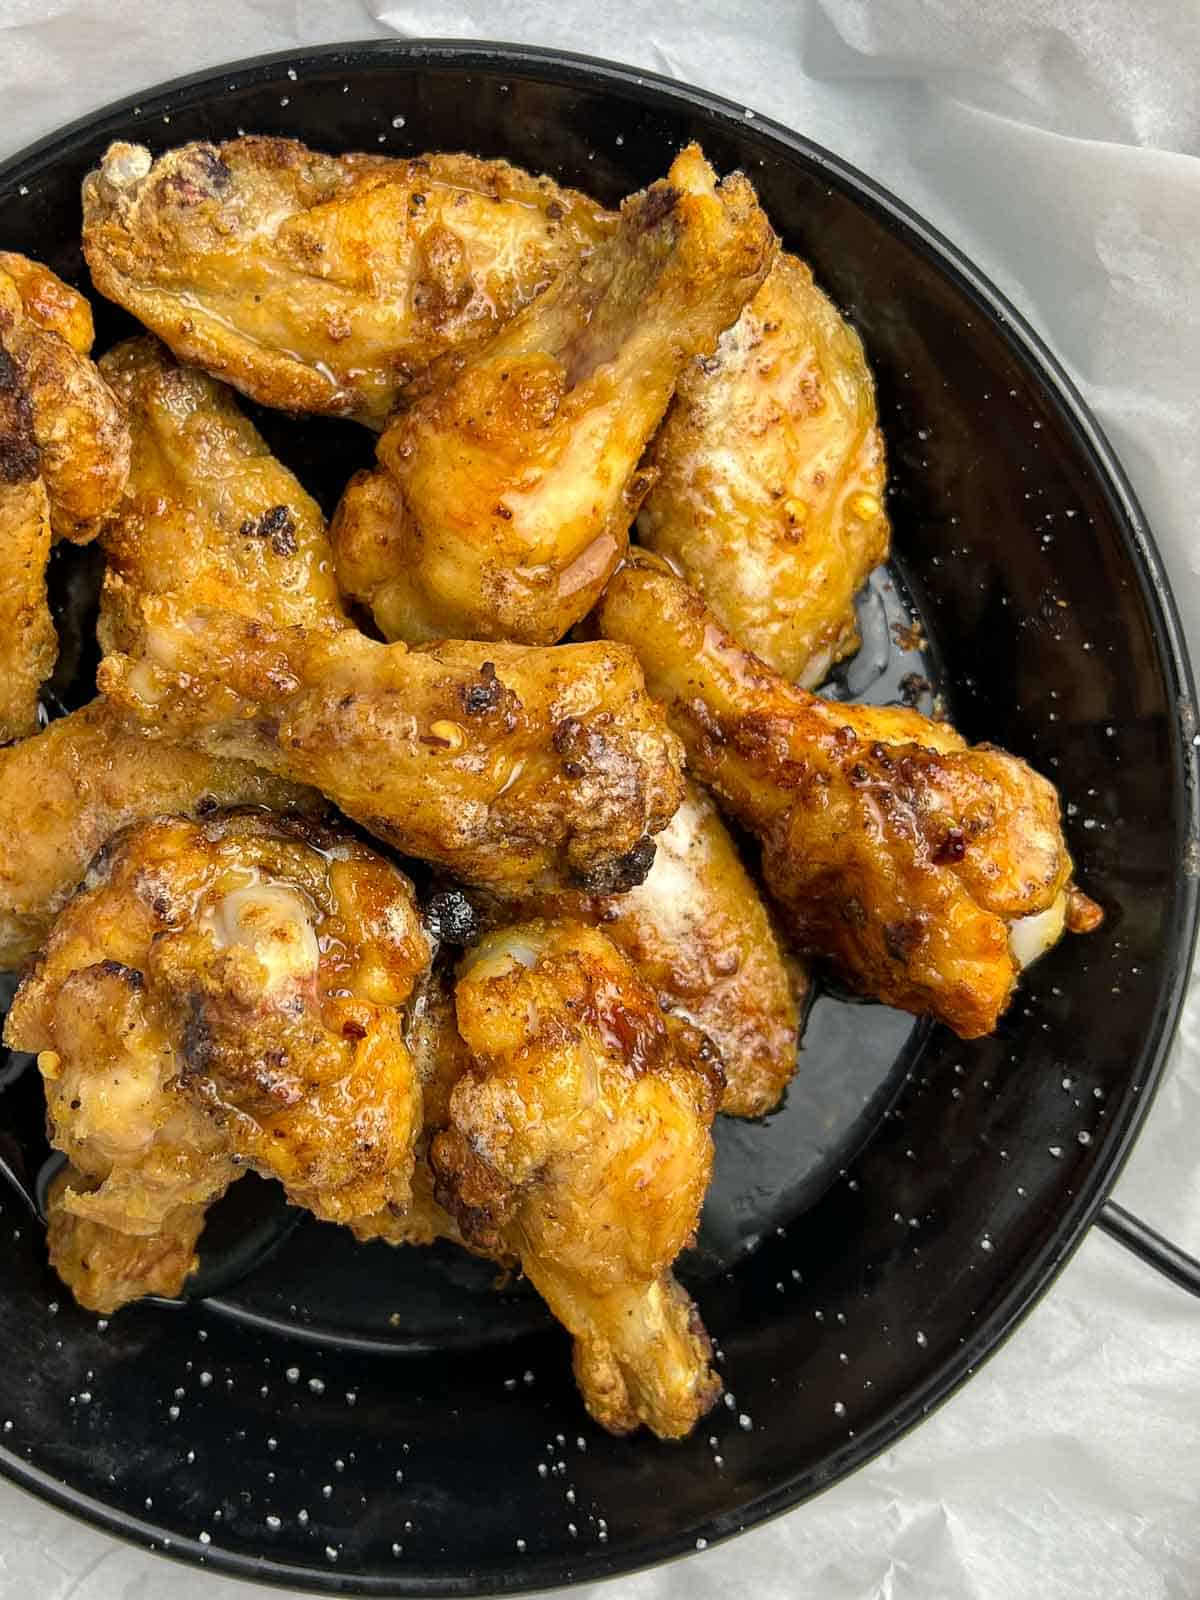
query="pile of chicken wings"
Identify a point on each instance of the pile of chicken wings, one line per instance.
(468, 681)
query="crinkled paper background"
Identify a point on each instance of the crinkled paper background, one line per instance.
(1057, 142)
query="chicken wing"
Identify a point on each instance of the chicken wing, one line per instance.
(28, 641)
(66, 791)
(104, 1268)
(58, 419)
(323, 283)
(699, 936)
(439, 1057)
(510, 484)
(48, 302)
(220, 996)
(902, 856)
(505, 765)
(63, 456)
(208, 513)
(769, 494)
(579, 1143)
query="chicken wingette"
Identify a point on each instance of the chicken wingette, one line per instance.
(579, 1144)
(770, 477)
(208, 514)
(505, 490)
(505, 765)
(220, 996)
(322, 283)
(913, 863)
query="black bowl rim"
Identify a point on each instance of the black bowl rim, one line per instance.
(1044, 1266)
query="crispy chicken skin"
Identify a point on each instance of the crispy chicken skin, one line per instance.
(64, 452)
(207, 512)
(323, 283)
(505, 765)
(106, 1268)
(901, 855)
(48, 302)
(579, 1143)
(770, 476)
(66, 791)
(58, 419)
(700, 938)
(28, 641)
(440, 1057)
(220, 996)
(512, 480)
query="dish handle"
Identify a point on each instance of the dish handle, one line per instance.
(1150, 1246)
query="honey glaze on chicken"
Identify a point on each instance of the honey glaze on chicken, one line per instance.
(220, 996)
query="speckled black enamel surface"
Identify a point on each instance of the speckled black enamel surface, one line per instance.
(367, 1421)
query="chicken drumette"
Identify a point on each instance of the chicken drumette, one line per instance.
(323, 283)
(914, 863)
(64, 452)
(507, 766)
(769, 495)
(220, 996)
(579, 1144)
(699, 936)
(505, 491)
(208, 514)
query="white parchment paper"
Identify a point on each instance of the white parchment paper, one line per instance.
(1057, 142)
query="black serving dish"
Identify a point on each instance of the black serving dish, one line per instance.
(365, 1421)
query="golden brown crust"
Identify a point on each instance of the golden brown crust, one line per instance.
(64, 452)
(28, 641)
(79, 439)
(49, 302)
(106, 1268)
(440, 1057)
(66, 791)
(514, 477)
(503, 764)
(579, 1144)
(699, 936)
(220, 995)
(321, 283)
(900, 855)
(769, 483)
(207, 512)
